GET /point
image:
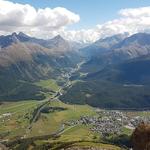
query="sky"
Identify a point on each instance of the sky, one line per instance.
(92, 12)
(78, 20)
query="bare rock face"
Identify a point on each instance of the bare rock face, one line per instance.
(141, 137)
(3, 147)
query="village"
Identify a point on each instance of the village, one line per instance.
(105, 122)
(110, 122)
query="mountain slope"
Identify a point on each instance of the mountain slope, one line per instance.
(124, 85)
(131, 47)
(134, 71)
(24, 60)
(102, 45)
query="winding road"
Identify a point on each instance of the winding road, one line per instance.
(56, 95)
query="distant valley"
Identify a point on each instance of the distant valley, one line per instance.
(106, 66)
(74, 75)
(109, 69)
(51, 90)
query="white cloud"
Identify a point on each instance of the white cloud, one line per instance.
(15, 17)
(46, 23)
(134, 12)
(130, 20)
(83, 35)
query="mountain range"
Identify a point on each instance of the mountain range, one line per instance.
(24, 59)
(114, 72)
(117, 76)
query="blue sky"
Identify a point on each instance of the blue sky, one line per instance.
(92, 12)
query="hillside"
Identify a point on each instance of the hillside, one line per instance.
(112, 80)
(134, 71)
(124, 85)
(24, 60)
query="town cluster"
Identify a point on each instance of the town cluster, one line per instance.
(110, 122)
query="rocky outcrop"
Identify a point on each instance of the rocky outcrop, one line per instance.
(3, 147)
(141, 137)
